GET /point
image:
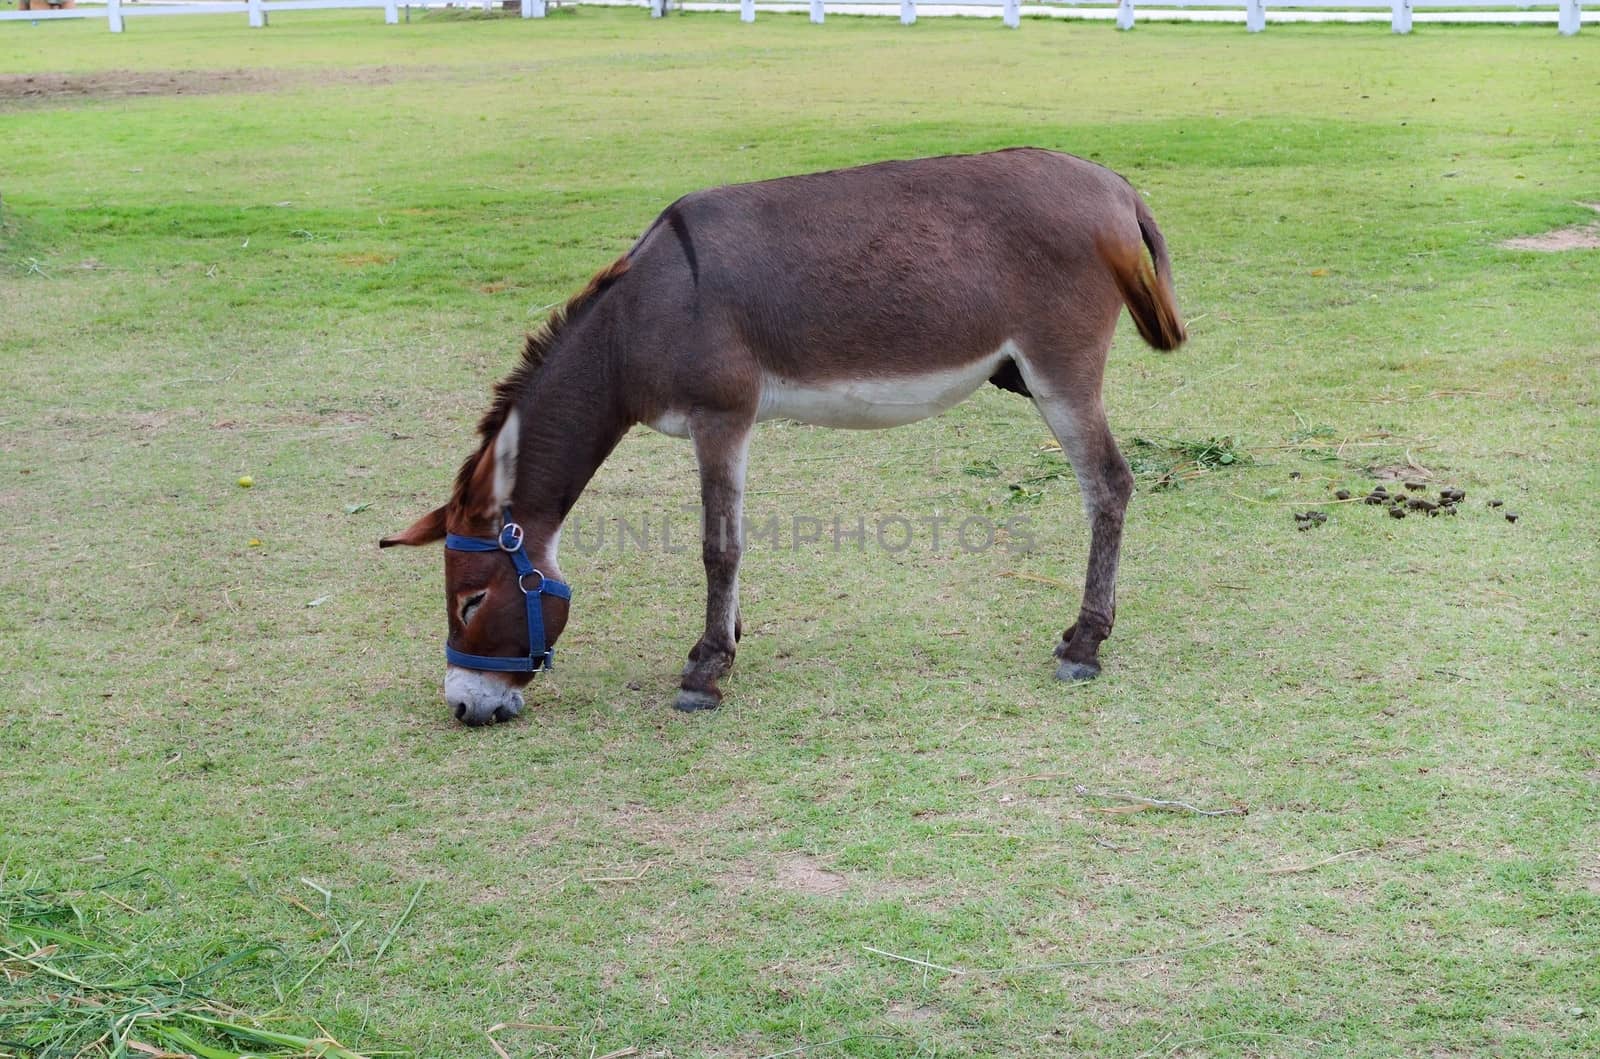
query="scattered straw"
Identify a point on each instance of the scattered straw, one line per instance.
(497, 1027)
(914, 960)
(1133, 803)
(1296, 869)
(1137, 803)
(797, 1049)
(1065, 965)
(1035, 778)
(620, 878)
(1314, 502)
(1020, 576)
(1181, 1045)
(302, 906)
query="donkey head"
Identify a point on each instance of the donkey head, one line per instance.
(495, 609)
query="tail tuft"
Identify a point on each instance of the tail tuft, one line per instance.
(1146, 286)
(1151, 304)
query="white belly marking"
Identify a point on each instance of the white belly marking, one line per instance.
(672, 424)
(871, 403)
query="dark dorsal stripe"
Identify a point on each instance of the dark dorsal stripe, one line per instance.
(681, 229)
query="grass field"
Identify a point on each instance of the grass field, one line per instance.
(304, 254)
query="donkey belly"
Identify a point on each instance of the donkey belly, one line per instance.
(871, 403)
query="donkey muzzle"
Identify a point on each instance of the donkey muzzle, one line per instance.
(480, 698)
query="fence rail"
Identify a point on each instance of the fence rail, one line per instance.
(1569, 14)
(256, 11)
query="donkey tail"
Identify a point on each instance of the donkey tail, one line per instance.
(1147, 291)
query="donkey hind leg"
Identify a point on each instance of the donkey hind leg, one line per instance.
(1079, 423)
(720, 445)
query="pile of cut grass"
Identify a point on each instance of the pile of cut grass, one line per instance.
(1158, 463)
(75, 982)
(1164, 463)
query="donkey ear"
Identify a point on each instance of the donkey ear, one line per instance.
(505, 459)
(425, 530)
(494, 475)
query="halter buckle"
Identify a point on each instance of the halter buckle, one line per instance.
(510, 537)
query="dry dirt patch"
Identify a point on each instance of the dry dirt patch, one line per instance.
(806, 875)
(53, 89)
(798, 873)
(1573, 237)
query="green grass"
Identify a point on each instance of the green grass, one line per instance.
(315, 280)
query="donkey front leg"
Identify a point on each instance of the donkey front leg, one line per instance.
(1106, 484)
(720, 445)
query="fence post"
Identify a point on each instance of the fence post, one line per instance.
(1571, 17)
(1255, 15)
(816, 11)
(114, 15)
(1400, 21)
(391, 12)
(908, 12)
(258, 17)
(1125, 14)
(1011, 13)
(658, 8)
(532, 8)
(747, 10)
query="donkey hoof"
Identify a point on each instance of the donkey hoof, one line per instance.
(1077, 672)
(690, 701)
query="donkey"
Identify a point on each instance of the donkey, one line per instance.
(861, 298)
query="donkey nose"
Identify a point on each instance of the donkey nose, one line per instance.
(477, 714)
(474, 715)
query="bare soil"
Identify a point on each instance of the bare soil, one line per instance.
(806, 875)
(54, 89)
(798, 873)
(1577, 237)
(1573, 237)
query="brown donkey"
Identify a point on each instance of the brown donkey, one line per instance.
(866, 297)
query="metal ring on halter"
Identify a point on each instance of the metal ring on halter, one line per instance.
(516, 537)
(536, 588)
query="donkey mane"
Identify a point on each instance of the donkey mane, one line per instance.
(535, 348)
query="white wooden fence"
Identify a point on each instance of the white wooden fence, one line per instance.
(115, 12)
(1256, 14)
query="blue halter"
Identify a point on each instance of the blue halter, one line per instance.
(510, 542)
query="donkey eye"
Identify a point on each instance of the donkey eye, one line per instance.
(469, 606)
